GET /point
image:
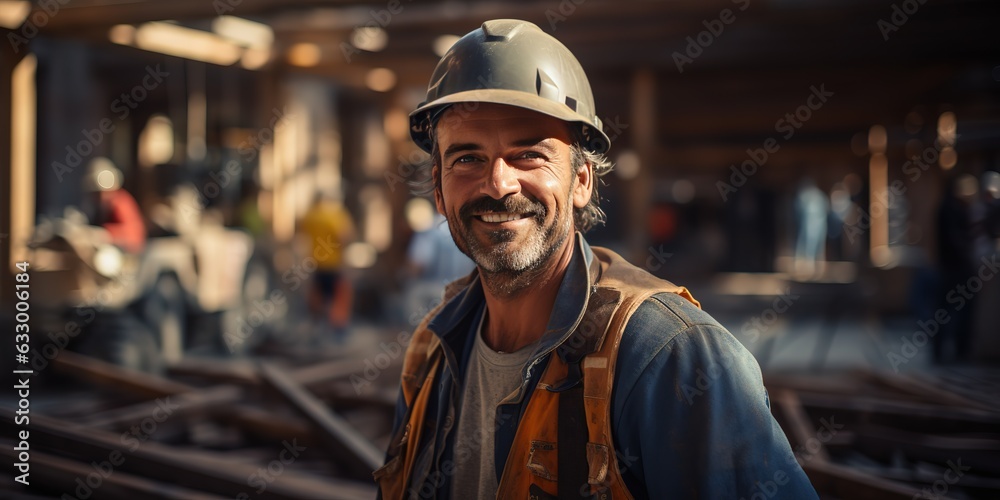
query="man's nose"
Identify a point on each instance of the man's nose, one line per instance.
(501, 180)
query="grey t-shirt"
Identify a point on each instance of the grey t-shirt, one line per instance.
(490, 377)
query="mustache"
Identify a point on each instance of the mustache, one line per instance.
(509, 203)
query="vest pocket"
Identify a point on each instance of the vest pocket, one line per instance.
(543, 459)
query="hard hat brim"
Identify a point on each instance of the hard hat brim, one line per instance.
(424, 117)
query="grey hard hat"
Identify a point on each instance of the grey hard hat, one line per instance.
(513, 62)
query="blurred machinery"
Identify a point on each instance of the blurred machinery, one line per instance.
(143, 305)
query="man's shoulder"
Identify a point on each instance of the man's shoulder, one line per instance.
(667, 314)
(667, 329)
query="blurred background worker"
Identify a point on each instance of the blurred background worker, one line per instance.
(114, 208)
(329, 229)
(433, 259)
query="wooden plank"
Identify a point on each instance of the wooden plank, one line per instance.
(360, 456)
(320, 373)
(977, 451)
(183, 404)
(241, 372)
(61, 475)
(267, 424)
(191, 470)
(107, 374)
(799, 427)
(928, 392)
(837, 481)
(903, 414)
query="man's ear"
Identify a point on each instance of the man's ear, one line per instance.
(438, 199)
(584, 185)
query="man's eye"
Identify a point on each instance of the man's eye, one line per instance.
(532, 155)
(466, 159)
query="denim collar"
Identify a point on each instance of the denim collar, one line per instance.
(567, 311)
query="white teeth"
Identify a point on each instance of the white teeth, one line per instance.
(500, 217)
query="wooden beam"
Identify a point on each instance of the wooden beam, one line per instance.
(183, 404)
(186, 469)
(107, 374)
(267, 424)
(979, 452)
(799, 427)
(361, 457)
(838, 481)
(224, 371)
(928, 392)
(320, 373)
(59, 475)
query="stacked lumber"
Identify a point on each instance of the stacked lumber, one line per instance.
(878, 435)
(210, 428)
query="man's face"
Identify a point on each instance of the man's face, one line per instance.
(507, 185)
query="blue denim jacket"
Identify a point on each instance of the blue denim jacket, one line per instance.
(690, 416)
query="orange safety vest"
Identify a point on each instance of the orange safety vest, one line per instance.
(531, 469)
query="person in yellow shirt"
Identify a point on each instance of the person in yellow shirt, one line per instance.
(329, 229)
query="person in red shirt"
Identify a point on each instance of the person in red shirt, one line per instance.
(117, 212)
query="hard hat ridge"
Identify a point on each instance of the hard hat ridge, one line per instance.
(512, 62)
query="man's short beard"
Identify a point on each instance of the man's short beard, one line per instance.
(507, 271)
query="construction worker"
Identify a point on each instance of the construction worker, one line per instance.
(117, 211)
(557, 369)
(329, 229)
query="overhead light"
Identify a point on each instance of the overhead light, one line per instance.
(370, 38)
(13, 13)
(380, 79)
(244, 31)
(188, 43)
(122, 34)
(305, 55)
(443, 43)
(255, 58)
(628, 164)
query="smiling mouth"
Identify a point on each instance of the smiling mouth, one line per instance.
(502, 217)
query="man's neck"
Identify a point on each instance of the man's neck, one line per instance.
(520, 320)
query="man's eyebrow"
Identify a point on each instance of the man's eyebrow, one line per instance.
(533, 141)
(458, 148)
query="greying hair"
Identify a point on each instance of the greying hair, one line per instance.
(584, 219)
